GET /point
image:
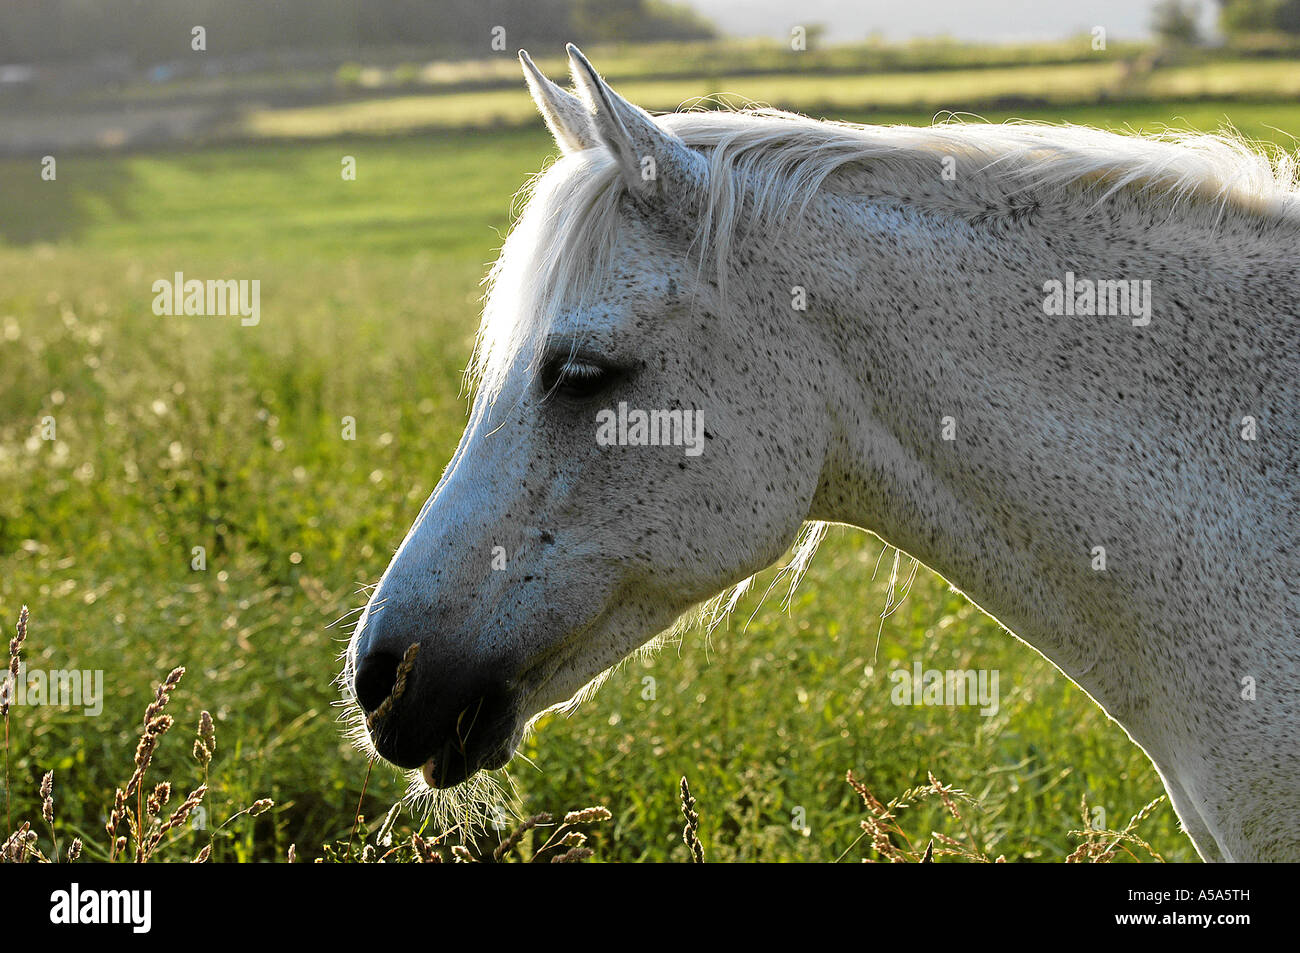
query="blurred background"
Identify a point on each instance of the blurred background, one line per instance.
(128, 73)
(358, 160)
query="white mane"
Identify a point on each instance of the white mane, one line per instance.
(778, 161)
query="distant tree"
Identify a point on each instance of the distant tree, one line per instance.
(146, 32)
(1259, 16)
(634, 20)
(1176, 21)
(1288, 16)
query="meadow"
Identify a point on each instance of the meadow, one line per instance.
(181, 432)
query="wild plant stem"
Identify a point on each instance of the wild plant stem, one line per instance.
(356, 815)
(9, 825)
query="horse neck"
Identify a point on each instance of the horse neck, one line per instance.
(1069, 432)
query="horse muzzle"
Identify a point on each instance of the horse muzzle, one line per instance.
(442, 719)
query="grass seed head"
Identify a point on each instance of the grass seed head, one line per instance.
(47, 797)
(588, 815)
(399, 687)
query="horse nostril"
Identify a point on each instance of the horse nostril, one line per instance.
(376, 675)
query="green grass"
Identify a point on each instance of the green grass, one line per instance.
(182, 432)
(620, 62)
(987, 90)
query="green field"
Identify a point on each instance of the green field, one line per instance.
(181, 432)
(918, 93)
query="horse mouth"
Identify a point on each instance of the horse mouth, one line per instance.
(440, 773)
(455, 764)
(447, 750)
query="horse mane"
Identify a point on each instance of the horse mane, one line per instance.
(770, 164)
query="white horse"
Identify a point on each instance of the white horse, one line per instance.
(1056, 365)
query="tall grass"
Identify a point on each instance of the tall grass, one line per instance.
(141, 829)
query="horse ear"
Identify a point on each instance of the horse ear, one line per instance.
(657, 166)
(566, 115)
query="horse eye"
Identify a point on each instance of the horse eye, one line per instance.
(576, 379)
